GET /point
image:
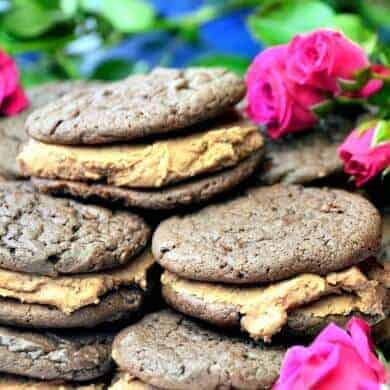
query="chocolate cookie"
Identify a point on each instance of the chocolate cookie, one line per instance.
(13, 382)
(303, 302)
(141, 105)
(52, 356)
(268, 234)
(12, 132)
(169, 351)
(195, 191)
(49, 236)
(302, 158)
(122, 305)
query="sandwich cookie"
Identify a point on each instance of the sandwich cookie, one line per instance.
(84, 300)
(301, 305)
(12, 132)
(48, 236)
(202, 358)
(55, 356)
(269, 234)
(281, 258)
(190, 192)
(164, 174)
(159, 102)
(159, 141)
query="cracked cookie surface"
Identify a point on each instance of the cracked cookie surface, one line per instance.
(141, 105)
(167, 350)
(268, 234)
(50, 356)
(48, 236)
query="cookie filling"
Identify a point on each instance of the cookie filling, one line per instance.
(125, 381)
(264, 310)
(70, 293)
(143, 166)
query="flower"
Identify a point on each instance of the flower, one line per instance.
(337, 359)
(361, 158)
(276, 101)
(320, 58)
(375, 85)
(12, 96)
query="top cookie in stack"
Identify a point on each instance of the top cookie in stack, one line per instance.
(156, 141)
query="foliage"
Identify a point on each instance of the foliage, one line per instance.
(108, 39)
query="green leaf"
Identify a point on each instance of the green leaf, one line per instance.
(323, 108)
(128, 16)
(353, 27)
(30, 18)
(277, 24)
(236, 64)
(377, 12)
(69, 7)
(113, 70)
(382, 133)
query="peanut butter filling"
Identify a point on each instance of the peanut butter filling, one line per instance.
(143, 165)
(70, 293)
(126, 381)
(264, 310)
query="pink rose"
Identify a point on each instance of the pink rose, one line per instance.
(361, 159)
(12, 96)
(322, 57)
(337, 359)
(276, 101)
(375, 85)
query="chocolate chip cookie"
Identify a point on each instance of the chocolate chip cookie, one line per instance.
(168, 350)
(49, 236)
(269, 234)
(141, 105)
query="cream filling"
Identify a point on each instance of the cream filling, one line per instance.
(264, 310)
(144, 165)
(70, 293)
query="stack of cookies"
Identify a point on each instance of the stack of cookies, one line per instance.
(156, 141)
(279, 260)
(68, 273)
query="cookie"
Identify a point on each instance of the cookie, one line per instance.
(154, 165)
(12, 382)
(71, 293)
(55, 356)
(123, 305)
(263, 311)
(141, 105)
(168, 350)
(192, 192)
(269, 234)
(12, 132)
(48, 236)
(302, 158)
